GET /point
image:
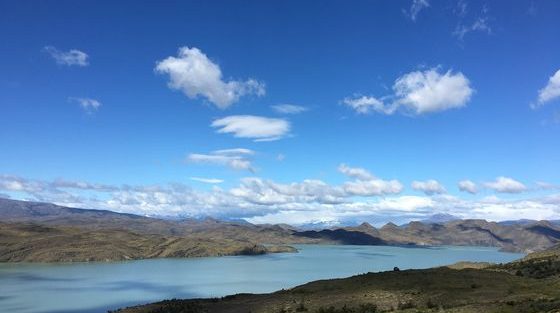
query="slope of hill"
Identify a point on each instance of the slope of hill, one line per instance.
(54, 215)
(493, 289)
(24, 242)
(218, 235)
(514, 238)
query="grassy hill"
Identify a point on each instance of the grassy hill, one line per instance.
(513, 287)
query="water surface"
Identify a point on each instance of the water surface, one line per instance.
(97, 287)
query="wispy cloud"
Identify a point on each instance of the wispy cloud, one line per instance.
(415, 8)
(193, 73)
(69, 58)
(547, 186)
(506, 185)
(418, 92)
(471, 22)
(289, 108)
(355, 172)
(88, 104)
(237, 159)
(258, 128)
(207, 180)
(367, 104)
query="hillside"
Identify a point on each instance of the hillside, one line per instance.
(493, 289)
(117, 236)
(54, 215)
(512, 237)
(25, 242)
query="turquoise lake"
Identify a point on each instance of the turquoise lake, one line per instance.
(98, 287)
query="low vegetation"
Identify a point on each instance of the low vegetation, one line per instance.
(489, 288)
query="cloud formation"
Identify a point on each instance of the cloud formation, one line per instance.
(355, 172)
(237, 159)
(193, 73)
(289, 108)
(207, 180)
(506, 185)
(416, 7)
(88, 104)
(479, 23)
(69, 58)
(429, 187)
(366, 184)
(260, 200)
(417, 93)
(468, 186)
(547, 186)
(258, 128)
(550, 92)
(367, 104)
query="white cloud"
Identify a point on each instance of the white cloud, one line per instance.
(405, 203)
(207, 180)
(468, 186)
(88, 104)
(261, 200)
(367, 104)
(289, 108)
(429, 187)
(373, 187)
(234, 151)
(419, 92)
(236, 159)
(506, 185)
(71, 57)
(550, 92)
(355, 172)
(501, 210)
(431, 91)
(195, 75)
(416, 7)
(254, 127)
(366, 184)
(266, 192)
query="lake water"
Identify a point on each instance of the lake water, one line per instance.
(97, 287)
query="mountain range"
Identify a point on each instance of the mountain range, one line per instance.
(44, 232)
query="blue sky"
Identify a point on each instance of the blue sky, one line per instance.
(336, 112)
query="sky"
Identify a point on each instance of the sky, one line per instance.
(300, 112)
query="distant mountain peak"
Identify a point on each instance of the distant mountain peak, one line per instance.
(390, 225)
(365, 225)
